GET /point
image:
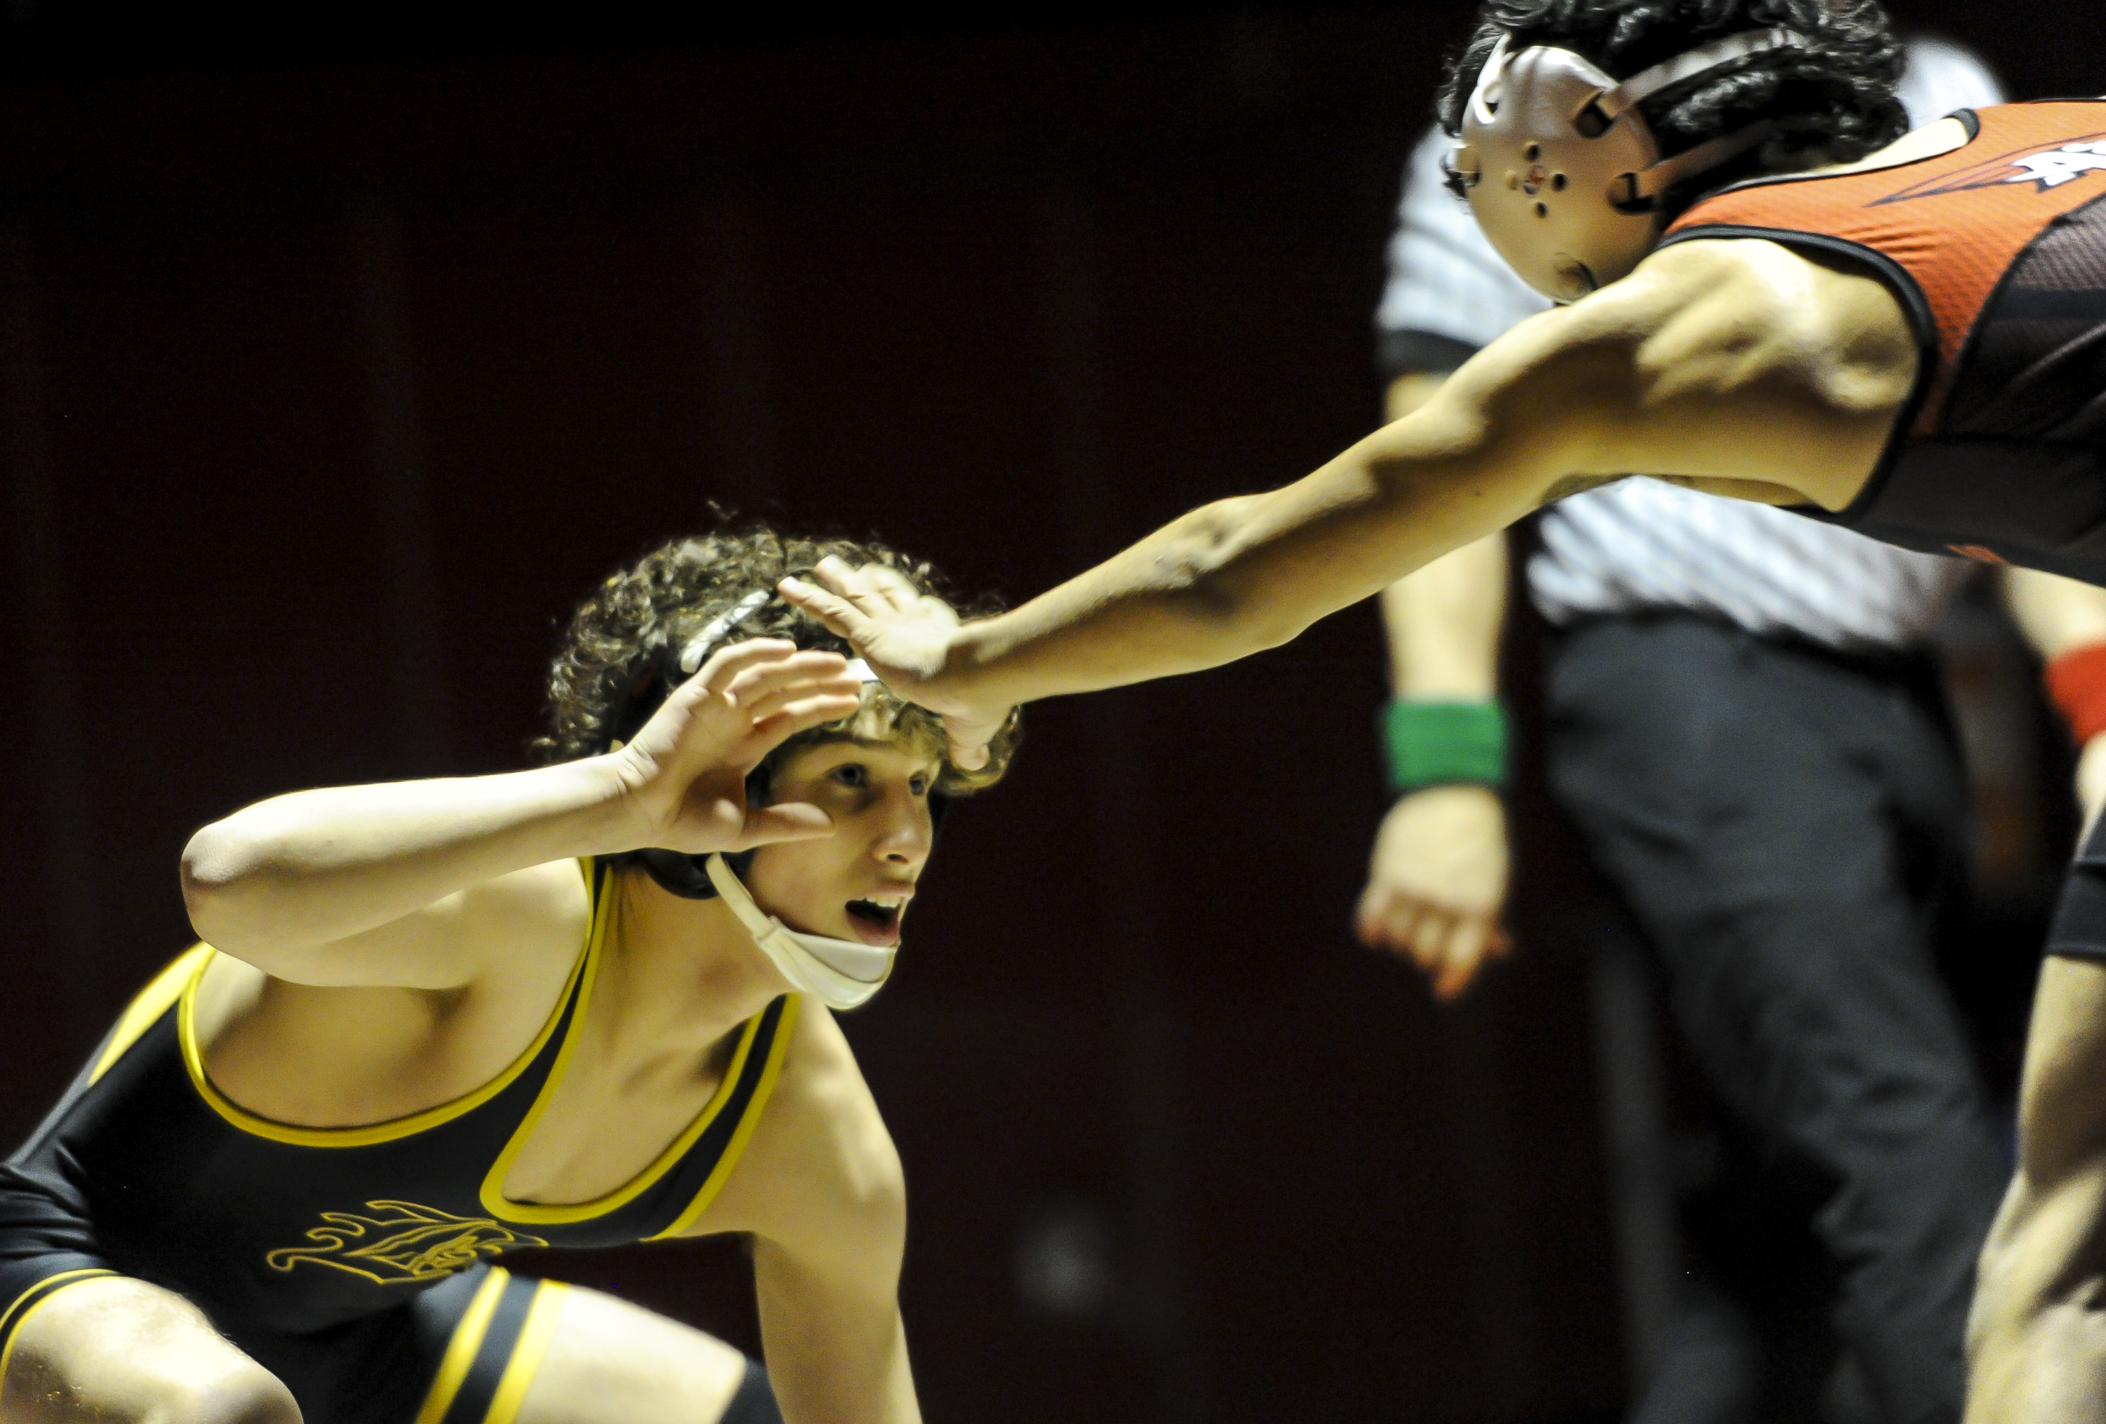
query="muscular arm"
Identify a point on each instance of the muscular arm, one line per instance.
(279, 880)
(390, 884)
(1736, 366)
(821, 1189)
(2036, 1346)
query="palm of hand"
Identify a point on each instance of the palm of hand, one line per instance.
(693, 790)
(685, 772)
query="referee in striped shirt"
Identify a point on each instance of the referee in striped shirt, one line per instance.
(1755, 755)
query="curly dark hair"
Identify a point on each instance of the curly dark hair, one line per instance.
(1832, 98)
(618, 661)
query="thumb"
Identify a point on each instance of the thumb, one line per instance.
(790, 821)
(972, 738)
(967, 754)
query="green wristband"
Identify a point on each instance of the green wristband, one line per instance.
(1438, 743)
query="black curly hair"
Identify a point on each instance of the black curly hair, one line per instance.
(619, 658)
(1832, 98)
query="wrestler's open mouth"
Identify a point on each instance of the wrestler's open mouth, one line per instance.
(877, 920)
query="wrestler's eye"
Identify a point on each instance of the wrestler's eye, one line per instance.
(852, 773)
(919, 785)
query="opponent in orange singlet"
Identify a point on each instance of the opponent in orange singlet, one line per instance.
(1769, 292)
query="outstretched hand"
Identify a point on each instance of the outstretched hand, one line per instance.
(905, 635)
(686, 769)
(1437, 883)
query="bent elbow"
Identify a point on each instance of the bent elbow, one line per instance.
(214, 865)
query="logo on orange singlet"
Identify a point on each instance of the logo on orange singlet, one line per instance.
(2044, 168)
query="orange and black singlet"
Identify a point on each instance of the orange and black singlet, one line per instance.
(353, 1262)
(1998, 251)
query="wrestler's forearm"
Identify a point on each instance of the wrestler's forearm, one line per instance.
(314, 867)
(1242, 575)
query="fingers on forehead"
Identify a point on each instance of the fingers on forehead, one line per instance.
(802, 662)
(739, 656)
(804, 714)
(767, 653)
(833, 570)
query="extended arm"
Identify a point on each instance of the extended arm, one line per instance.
(308, 886)
(1735, 366)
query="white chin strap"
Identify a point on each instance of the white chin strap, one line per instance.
(840, 973)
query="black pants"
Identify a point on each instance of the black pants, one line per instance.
(1780, 823)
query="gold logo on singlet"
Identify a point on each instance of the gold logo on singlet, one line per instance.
(403, 1242)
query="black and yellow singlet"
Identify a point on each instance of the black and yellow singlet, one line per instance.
(352, 1262)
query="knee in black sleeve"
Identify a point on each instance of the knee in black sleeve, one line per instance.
(755, 1401)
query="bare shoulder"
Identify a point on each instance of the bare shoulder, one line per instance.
(821, 1164)
(400, 1018)
(1833, 322)
(1738, 366)
(1715, 315)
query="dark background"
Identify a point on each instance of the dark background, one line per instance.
(341, 349)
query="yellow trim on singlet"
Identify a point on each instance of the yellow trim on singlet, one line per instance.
(534, 1335)
(186, 1032)
(462, 1349)
(11, 1324)
(149, 1004)
(493, 1196)
(736, 1148)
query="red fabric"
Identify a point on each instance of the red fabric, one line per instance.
(1955, 223)
(2077, 683)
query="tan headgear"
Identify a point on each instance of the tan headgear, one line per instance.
(1562, 170)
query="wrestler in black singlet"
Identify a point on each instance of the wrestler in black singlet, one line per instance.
(353, 1263)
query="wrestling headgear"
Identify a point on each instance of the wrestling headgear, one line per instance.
(840, 973)
(676, 871)
(1563, 172)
